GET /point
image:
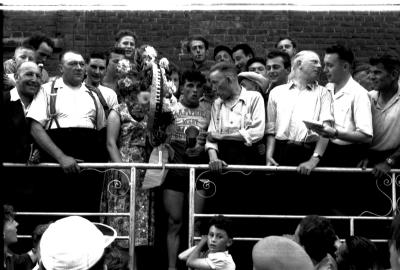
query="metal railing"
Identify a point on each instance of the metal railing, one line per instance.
(392, 181)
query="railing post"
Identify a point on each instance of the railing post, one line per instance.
(394, 195)
(191, 204)
(132, 211)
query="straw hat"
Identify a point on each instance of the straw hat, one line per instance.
(259, 79)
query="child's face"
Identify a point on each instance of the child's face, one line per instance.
(218, 240)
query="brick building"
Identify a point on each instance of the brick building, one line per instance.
(365, 31)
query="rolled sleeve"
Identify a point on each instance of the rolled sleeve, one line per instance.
(363, 114)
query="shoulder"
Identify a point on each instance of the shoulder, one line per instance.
(106, 91)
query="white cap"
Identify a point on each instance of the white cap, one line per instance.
(74, 243)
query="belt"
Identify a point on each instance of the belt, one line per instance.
(297, 143)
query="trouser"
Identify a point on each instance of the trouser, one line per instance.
(81, 192)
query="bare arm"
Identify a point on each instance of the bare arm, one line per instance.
(309, 165)
(270, 150)
(194, 259)
(67, 163)
(113, 128)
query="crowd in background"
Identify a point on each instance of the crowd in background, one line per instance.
(127, 104)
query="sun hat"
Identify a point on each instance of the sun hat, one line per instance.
(259, 79)
(74, 243)
(278, 252)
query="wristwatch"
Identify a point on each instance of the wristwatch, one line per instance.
(316, 155)
(390, 161)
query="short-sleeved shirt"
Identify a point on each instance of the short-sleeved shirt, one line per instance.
(352, 109)
(220, 261)
(74, 106)
(288, 106)
(386, 122)
(247, 115)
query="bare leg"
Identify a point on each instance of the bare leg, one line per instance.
(173, 204)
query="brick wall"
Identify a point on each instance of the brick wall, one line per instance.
(85, 31)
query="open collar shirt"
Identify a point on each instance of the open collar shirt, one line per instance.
(14, 96)
(386, 122)
(246, 115)
(288, 106)
(352, 109)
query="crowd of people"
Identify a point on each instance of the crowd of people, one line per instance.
(237, 108)
(75, 242)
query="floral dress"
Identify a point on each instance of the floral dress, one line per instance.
(116, 195)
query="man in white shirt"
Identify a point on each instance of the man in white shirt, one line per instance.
(289, 141)
(69, 135)
(237, 120)
(352, 110)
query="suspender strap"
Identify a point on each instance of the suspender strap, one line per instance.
(95, 104)
(101, 98)
(53, 98)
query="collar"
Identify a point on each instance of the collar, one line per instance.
(14, 95)
(60, 84)
(309, 86)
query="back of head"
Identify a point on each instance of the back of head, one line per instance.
(74, 243)
(359, 254)
(317, 235)
(247, 50)
(280, 253)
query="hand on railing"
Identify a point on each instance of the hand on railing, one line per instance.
(69, 164)
(381, 169)
(217, 165)
(305, 168)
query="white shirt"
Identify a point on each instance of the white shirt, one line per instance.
(288, 106)
(220, 261)
(386, 122)
(246, 115)
(74, 106)
(352, 109)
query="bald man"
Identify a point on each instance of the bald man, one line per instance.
(16, 104)
(280, 253)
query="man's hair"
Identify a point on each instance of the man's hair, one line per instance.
(390, 62)
(223, 223)
(245, 48)
(8, 213)
(284, 55)
(222, 48)
(38, 232)
(344, 53)
(317, 236)
(294, 44)
(96, 55)
(193, 76)
(224, 68)
(300, 55)
(36, 39)
(255, 60)
(123, 33)
(197, 37)
(360, 253)
(61, 57)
